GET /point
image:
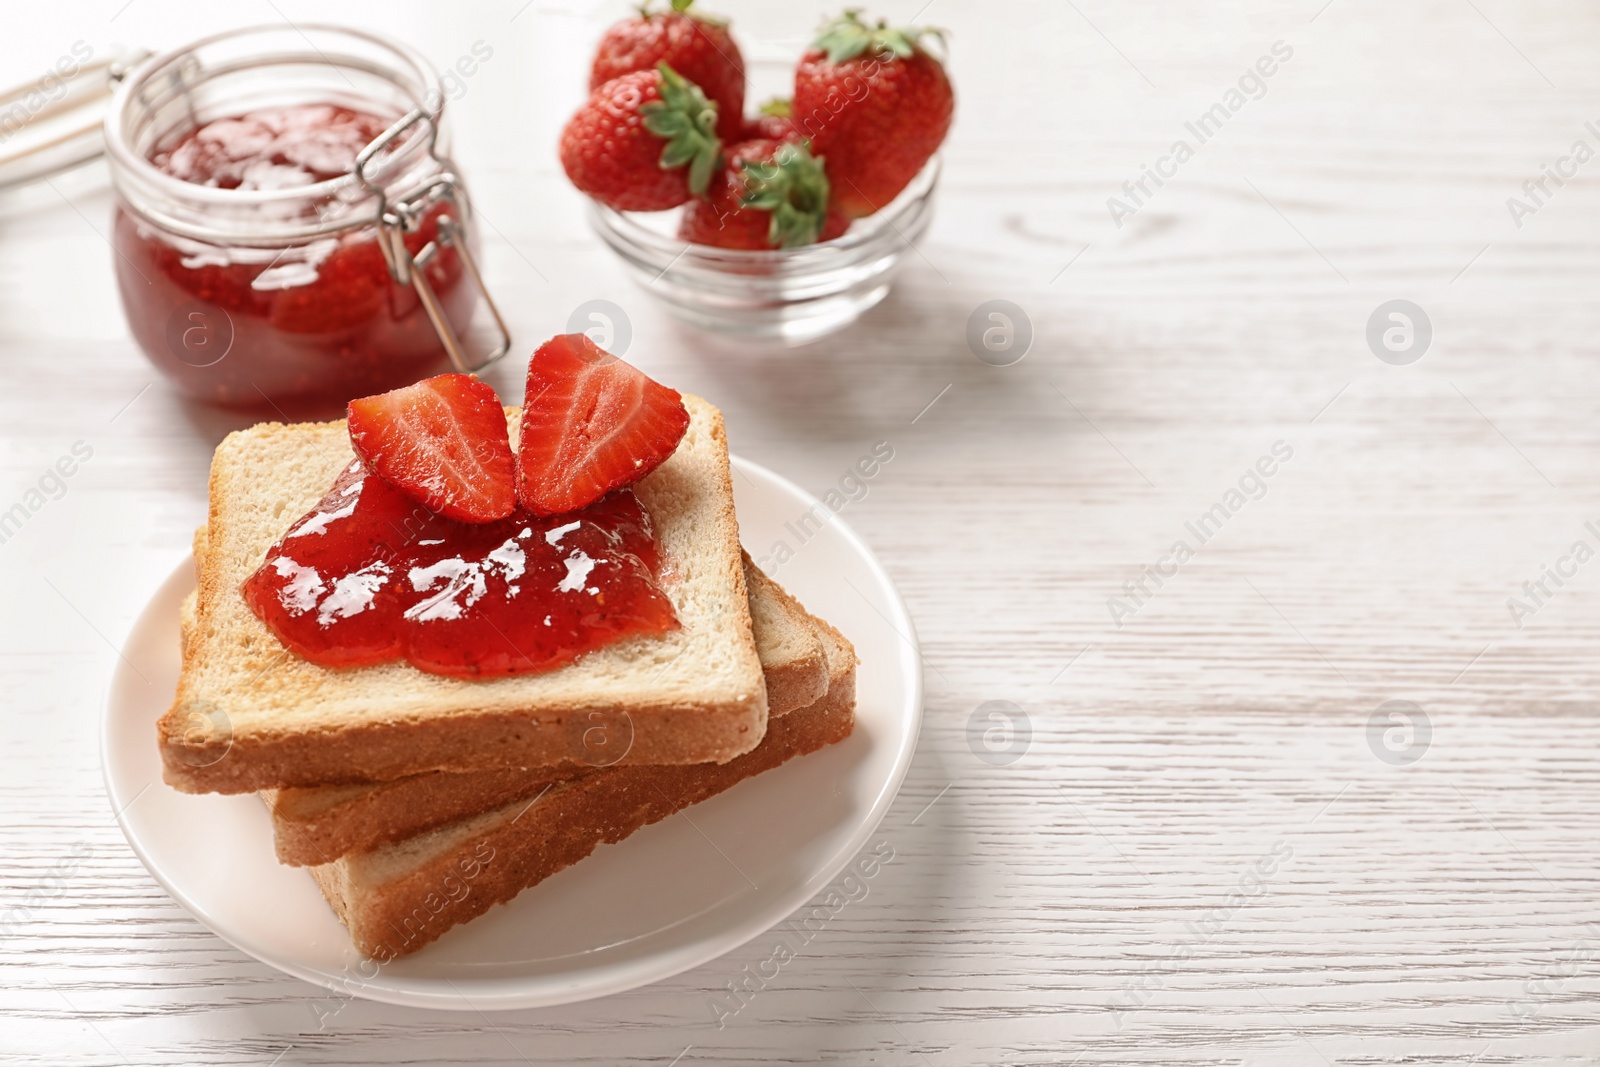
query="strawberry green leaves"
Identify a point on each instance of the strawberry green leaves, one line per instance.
(687, 121)
(793, 187)
(847, 37)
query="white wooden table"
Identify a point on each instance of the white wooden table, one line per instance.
(1083, 903)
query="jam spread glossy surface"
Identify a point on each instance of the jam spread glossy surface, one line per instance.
(369, 575)
(251, 325)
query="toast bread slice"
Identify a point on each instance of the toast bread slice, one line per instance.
(790, 648)
(250, 715)
(318, 824)
(400, 896)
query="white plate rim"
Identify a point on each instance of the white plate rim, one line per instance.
(552, 990)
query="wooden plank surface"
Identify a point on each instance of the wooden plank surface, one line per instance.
(1200, 857)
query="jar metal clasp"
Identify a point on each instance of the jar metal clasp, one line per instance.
(403, 214)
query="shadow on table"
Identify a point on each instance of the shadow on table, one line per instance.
(884, 369)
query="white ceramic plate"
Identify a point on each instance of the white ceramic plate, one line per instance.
(669, 898)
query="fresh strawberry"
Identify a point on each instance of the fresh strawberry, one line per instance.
(590, 424)
(697, 46)
(646, 141)
(442, 441)
(835, 223)
(770, 194)
(875, 105)
(771, 123)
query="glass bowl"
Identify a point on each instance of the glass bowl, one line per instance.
(791, 295)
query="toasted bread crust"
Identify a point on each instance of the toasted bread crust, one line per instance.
(513, 850)
(308, 834)
(465, 742)
(236, 673)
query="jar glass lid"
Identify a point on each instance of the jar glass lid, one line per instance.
(55, 122)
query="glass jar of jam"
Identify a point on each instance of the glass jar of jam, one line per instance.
(289, 228)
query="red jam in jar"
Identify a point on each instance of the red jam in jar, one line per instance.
(265, 319)
(274, 148)
(369, 575)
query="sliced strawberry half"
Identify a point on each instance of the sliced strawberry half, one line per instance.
(590, 424)
(442, 441)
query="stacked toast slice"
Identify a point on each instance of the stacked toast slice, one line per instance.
(419, 801)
